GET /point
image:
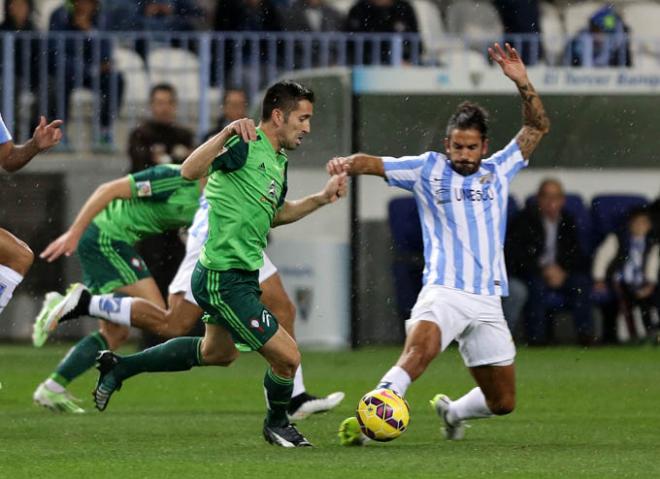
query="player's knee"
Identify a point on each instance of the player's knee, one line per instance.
(116, 337)
(22, 258)
(219, 358)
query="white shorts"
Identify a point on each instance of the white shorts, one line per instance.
(475, 321)
(181, 281)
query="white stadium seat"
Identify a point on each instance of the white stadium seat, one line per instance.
(552, 32)
(430, 26)
(643, 19)
(343, 5)
(44, 10)
(177, 67)
(136, 81)
(478, 22)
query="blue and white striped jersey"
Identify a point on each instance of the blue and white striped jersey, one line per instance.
(463, 218)
(4, 132)
(199, 229)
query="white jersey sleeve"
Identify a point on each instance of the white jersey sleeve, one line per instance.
(404, 172)
(5, 136)
(508, 161)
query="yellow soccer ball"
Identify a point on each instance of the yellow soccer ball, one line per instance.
(383, 415)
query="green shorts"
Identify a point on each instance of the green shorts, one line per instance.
(107, 263)
(231, 299)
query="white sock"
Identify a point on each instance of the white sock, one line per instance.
(298, 384)
(9, 279)
(396, 379)
(471, 406)
(116, 309)
(54, 386)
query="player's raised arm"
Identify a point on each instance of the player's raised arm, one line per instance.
(291, 211)
(535, 121)
(14, 157)
(67, 243)
(357, 164)
(197, 164)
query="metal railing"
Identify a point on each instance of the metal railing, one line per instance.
(94, 79)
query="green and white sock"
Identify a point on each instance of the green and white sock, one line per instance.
(278, 395)
(178, 354)
(79, 359)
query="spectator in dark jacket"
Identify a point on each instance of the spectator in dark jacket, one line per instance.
(27, 54)
(543, 250)
(522, 17)
(85, 69)
(390, 16)
(604, 43)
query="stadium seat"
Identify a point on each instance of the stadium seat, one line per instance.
(408, 261)
(45, 9)
(643, 19)
(576, 16)
(478, 22)
(552, 32)
(609, 213)
(178, 67)
(430, 27)
(136, 82)
(343, 6)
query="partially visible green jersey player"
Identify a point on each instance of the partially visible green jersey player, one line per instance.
(117, 215)
(246, 194)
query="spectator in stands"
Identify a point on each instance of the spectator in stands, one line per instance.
(234, 107)
(543, 250)
(604, 43)
(654, 211)
(394, 16)
(159, 140)
(18, 18)
(84, 68)
(520, 19)
(313, 16)
(628, 266)
(170, 15)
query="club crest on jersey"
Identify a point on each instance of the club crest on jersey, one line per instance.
(486, 179)
(272, 189)
(143, 188)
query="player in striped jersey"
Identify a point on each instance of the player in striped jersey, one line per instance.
(462, 203)
(15, 256)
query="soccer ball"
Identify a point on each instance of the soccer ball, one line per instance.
(382, 415)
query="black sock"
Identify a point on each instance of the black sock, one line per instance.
(81, 309)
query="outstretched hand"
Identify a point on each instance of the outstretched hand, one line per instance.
(244, 128)
(47, 135)
(336, 187)
(510, 62)
(64, 245)
(338, 165)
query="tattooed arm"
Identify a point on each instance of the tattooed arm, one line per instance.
(535, 121)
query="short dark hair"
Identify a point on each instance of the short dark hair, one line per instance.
(638, 211)
(469, 116)
(284, 96)
(168, 87)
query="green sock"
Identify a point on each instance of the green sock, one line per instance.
(278, 396)
(79, 359)
(178, 354)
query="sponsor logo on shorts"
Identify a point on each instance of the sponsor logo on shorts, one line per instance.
(143, 188)
(254, 324)
(266, 317)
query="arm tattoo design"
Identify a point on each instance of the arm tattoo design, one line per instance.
(535, 120)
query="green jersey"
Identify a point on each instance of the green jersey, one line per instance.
(161, 200)
(246, 187)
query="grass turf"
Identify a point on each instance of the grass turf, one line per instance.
(581, 413)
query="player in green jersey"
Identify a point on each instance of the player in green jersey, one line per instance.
(113, 219)
(246, 194)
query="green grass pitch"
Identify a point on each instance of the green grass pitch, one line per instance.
(581, 413)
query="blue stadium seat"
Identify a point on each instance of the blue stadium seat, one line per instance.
(408, 261)
(408, 253)
(609, 213)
